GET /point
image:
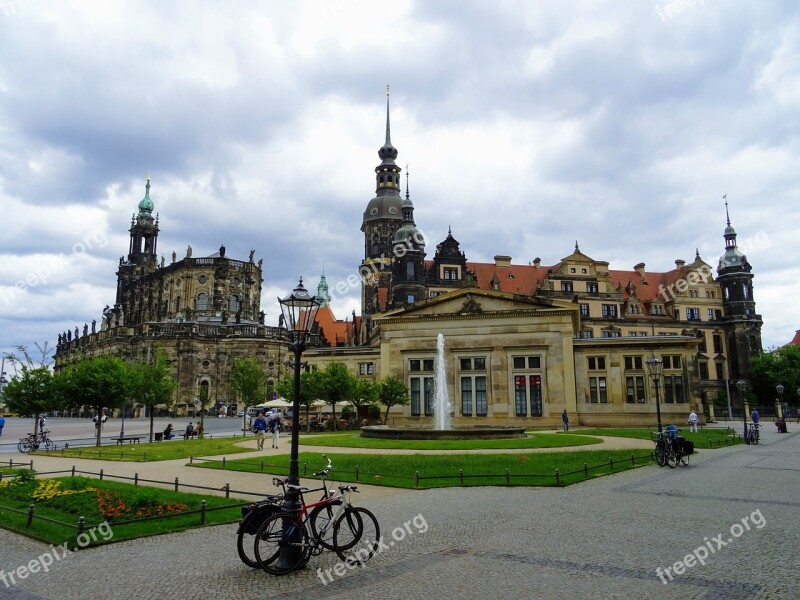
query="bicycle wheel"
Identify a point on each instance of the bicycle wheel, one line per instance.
(685, 460)
(661, 455)
(754, 436)
(48, 445)
(321, 521)
(24, 446)
(277, 533)
(356, 536)
(672, 458)
(242, 543)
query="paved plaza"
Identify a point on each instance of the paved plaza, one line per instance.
(735, 508)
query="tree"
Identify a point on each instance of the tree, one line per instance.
(100, 382)
(365, 393)
(392, 392)
(31, 392)
(767, 370)
(310, 390)
(152, 384)
(338, 385)
(247, 378)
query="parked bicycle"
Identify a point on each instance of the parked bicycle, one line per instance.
(672, 449)
(254, 514)
(33, 442)
(752, 434)
(332, 523)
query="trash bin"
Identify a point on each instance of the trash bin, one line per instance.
(159, 436)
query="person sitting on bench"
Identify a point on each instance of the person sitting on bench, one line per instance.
(189, 431)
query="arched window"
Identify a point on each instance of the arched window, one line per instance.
(233, 304)
(409, 271)
(202, 302)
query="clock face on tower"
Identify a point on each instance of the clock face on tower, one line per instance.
(371, 279)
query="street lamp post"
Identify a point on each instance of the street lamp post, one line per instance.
(299, 312)
(779, 388)
(654, 367)
(741, 385)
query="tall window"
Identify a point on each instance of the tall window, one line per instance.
(409, 271)
(597, 390)
(202, 301)
(233, 304)
(634, 389)
(717, 343)
(473, 385)
(591, 287)
(527, 385)
(703, 366)
(450, 273)
(610, 311)
(566, 286)
(584, 310)
(366, 368)
(420, 385)
(693, 314)
(597, 363)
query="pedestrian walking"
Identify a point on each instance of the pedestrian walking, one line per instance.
(2, 424)
(260, 429)
(565, 419)
(275, 428)
(693, 421)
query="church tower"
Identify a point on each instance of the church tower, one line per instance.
(133, 302)
(408, 267)
(741, 323)
(382, 218)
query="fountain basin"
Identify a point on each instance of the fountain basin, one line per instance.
(478, 432)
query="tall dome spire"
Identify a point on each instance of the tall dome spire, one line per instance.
(146, 205)
(387, 202)
(387, 152)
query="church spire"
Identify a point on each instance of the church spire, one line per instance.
(387, 174)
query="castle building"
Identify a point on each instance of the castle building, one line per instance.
(527, 341)
(523, 342)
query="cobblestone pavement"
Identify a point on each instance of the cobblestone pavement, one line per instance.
(605, 538)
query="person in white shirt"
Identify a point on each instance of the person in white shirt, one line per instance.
(693, 421)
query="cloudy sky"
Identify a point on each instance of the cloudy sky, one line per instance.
(526, 126)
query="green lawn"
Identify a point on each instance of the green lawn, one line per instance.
(397, 470)
(701, 439)
(162, 450)
(353, 439)
(100, 501)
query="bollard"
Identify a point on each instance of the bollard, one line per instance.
(262, 465)
(30, 515)
(73, 470)
(633, 459)
(227, 490)
(558, 478)
(135, 479)
(508, 476)
(585, 470)
(81, 525)
(176, 484)
(223, 462)
(416, 478)
(356, 472)
(202, 512)
(461, 476)
(191, 458)
(611, 463)
(101, 474)
(305, 469)
(144, 458)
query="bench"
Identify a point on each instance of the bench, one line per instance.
(131, 439)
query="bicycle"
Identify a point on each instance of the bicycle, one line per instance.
(672, 449)
(752, 435)
(34, 442)
(334, 524)
(255, 513)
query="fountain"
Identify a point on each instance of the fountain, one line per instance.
(441, 398)
(443, 427)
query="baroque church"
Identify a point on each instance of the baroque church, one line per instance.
(524, 342)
